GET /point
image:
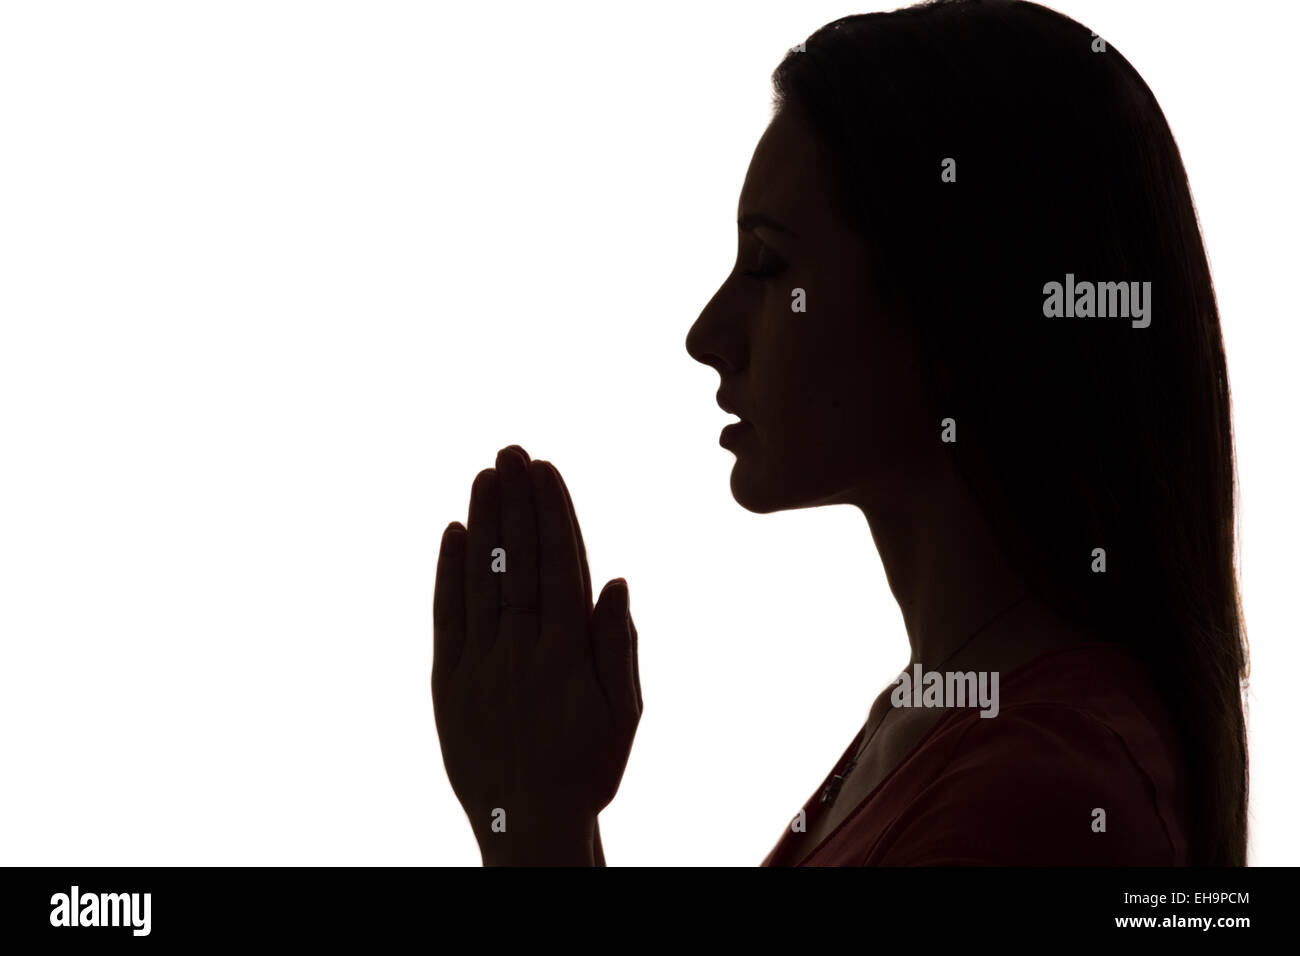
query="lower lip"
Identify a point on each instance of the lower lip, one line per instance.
(730, 433)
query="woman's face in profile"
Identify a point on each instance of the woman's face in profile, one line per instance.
(829, 396)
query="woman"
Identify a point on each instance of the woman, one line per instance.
(970, 299)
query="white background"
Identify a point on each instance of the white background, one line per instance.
(277, 279)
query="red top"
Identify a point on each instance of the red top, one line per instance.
(1078, 729)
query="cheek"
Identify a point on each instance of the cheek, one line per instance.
(839, 395)
(809, 392)
(789, 366)
(877, 399)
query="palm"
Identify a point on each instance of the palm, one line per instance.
(535, 692)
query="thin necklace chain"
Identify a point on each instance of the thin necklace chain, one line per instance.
(832, 789)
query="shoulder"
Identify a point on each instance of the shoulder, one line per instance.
(1083, 773)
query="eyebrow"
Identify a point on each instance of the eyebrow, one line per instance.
(750, 220)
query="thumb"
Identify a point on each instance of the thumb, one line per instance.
(614, 637)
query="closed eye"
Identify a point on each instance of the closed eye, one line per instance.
(767, 267)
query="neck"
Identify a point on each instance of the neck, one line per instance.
(945, 569)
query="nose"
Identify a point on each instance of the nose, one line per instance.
(716, 339)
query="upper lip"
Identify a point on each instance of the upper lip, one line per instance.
(727, 407)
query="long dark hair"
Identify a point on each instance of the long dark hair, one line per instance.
(1073, 433)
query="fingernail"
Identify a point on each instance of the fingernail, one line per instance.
(618, 594)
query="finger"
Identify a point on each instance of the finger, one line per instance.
(448, 606)
(614, 651)
(636, 666)
(482, 584)
(577, 530)
(564, 621)
(519, 585)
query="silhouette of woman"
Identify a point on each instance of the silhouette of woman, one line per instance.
(972, 300)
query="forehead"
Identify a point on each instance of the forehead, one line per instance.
(787, 175)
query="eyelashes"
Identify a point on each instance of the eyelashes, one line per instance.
(766, 268)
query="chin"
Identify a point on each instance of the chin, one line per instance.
(752, 499)
(749, 487)
(761, 491)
